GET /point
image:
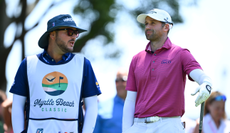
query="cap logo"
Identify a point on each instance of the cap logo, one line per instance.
(53, 24)
(67, 19)
(166, 20)
(152, 12)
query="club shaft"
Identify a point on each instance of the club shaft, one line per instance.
(201, 117)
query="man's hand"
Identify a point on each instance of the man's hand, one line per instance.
(204, 92)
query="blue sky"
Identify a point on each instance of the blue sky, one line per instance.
(204, 32)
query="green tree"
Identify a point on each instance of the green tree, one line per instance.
(101, 15)
(17, 20)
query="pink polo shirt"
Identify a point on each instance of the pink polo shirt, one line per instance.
(159, 80)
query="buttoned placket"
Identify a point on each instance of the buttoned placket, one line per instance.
(153, 68)
(153, 65)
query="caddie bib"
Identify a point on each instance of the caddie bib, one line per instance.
(54, 95)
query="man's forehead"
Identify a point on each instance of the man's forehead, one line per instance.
(150, 19)
(68, 28)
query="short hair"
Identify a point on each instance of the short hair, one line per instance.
(210, 100)
(163, 24)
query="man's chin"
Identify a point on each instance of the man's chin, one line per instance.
(70, 49)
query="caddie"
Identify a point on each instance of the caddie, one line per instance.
(49, 87)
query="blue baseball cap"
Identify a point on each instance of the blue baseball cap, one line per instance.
(63, 20)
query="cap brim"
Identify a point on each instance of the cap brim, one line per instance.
(43, 41)
(141, 18)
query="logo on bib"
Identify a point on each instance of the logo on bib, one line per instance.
(39, 130)
(54, 83)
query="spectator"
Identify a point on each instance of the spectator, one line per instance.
(7, 111)
(109, 119)
(2, 99)
(214, 120)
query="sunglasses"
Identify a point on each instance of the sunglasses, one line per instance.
(221, 97)
(70, 32)
(123, 79)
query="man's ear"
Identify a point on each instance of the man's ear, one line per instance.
(52, 34)
(166, 27)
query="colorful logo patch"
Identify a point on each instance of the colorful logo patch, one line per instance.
(97, 84)
(54, 83)
(39, 130)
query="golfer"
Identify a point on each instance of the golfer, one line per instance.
(156, 80)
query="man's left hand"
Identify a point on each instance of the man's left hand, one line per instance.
(204, 92)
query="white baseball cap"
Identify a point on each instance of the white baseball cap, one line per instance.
(156, 14)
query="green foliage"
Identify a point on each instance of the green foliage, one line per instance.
(101, 14)
(171, 6)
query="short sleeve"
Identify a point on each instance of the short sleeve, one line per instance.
(131, 82)
(189, 63)
(90, 85)
(20, 85)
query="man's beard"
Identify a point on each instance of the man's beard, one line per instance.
(154, 36)
(149, 36)
(61, 44)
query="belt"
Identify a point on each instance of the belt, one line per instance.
(152, 119)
